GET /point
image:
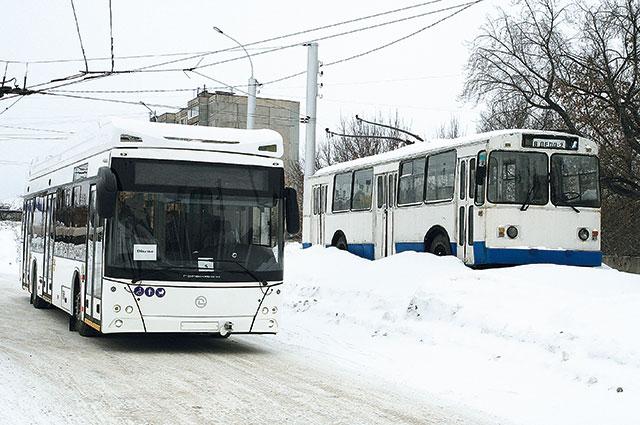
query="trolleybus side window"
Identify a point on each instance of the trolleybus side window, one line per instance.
(481, 177)
(362, 189)
(441, 171)
(37, 243)
(342, 192)
(411, 186)
(380, 191)
(463, 179)
(472, 177)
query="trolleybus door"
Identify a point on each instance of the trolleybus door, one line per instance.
(381, 216)
(392, 184)
(385, 203)
(464, 233)
(26, 245)
(49, 261)
(93, 282)
(321, 213)
(319, 209)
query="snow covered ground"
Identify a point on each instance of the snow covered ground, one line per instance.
(409, 339)
(538, 344)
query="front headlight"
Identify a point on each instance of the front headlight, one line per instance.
(583, 234)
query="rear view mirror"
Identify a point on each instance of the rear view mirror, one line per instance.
(106, 192)
(292, 214)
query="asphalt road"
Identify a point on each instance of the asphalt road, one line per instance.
(50, 375)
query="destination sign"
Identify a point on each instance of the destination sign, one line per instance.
(569, 143)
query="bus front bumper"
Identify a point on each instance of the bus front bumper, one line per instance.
(515, 256)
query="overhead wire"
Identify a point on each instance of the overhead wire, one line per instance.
(109, 100)
(75, 17)
(460, 7)
(81, 78)
(111, 35)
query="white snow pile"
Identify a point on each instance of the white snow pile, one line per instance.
(9, 248)
(537, 344)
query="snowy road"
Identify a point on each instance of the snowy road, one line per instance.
(51, 375)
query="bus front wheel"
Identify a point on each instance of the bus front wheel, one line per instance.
(78, 324)
(439, 245)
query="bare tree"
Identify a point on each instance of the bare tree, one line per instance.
(450, 129)
(531, 73)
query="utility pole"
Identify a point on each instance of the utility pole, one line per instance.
(253, 83)
(312, 101)
(251, 102)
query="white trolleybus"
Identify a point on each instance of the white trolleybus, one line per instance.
(146, 227)
(500, 198)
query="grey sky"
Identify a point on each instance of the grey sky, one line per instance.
(421, 77)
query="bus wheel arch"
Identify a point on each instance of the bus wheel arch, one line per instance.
(437, 241)
(339, 240)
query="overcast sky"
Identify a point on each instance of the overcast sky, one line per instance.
(421, 77)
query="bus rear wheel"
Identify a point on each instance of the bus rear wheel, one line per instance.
(439, 245)
(37, 302)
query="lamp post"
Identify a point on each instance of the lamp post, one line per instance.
(253, 83)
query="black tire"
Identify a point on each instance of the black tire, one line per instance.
(79, 325)
(341, 243)
(439, 245)
(37, 302)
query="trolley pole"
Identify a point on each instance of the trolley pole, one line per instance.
(312, 101)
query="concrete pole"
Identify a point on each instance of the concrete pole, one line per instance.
(312, 101)
(251, 103)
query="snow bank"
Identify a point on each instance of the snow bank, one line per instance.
(9, 249)
(533, 344)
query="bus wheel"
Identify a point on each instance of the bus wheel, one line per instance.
(82, 328)
(341, 243)
(37, 302)
(439, 245)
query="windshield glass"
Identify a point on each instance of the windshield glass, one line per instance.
(574, 180)
(518, 178)
(195, 221)
(183, 236)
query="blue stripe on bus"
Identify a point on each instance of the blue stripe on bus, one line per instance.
(484, 255)
(364, 250)
(419, 247)
(306, 245)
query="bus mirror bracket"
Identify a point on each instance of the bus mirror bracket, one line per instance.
(106, 191)
(292, 213)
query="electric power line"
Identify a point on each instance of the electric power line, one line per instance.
(462, 7)
(74, 79)
(129, 102)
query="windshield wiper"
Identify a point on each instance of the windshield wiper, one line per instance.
(567, 199)
(529, 198)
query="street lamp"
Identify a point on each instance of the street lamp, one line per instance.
(253, 83)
